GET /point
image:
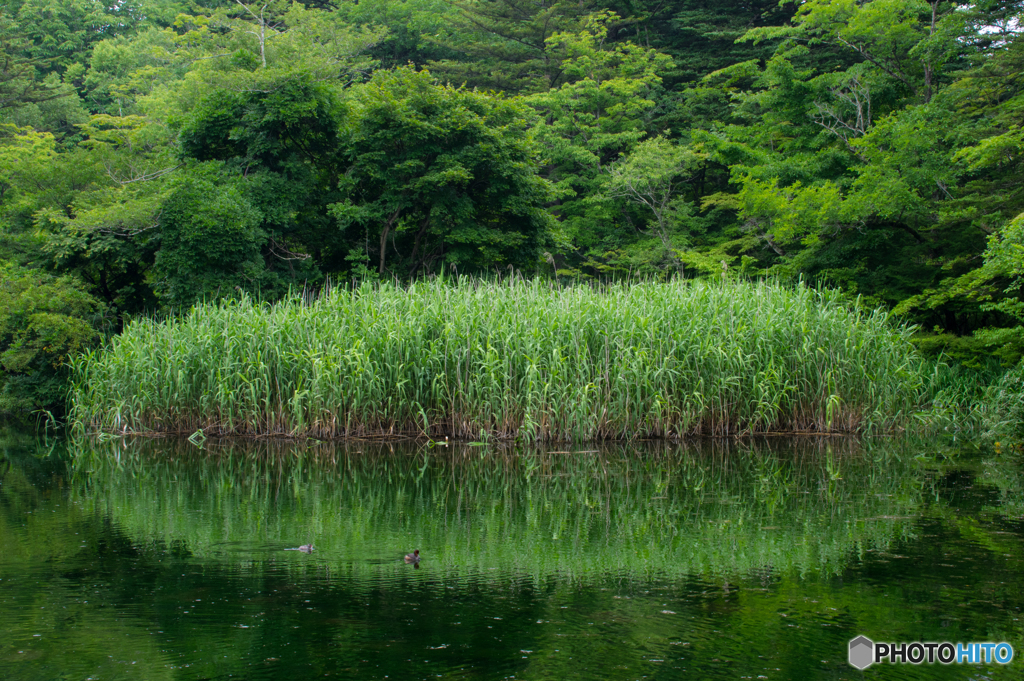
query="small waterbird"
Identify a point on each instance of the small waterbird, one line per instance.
(305, 548)
(413, 557)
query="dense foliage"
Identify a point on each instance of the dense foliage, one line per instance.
(156, 153)
(510, 360)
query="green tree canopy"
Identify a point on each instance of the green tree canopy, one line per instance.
(441, 175)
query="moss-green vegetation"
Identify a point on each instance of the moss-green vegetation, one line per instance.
(513, 359)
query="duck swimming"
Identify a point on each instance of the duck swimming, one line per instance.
(413, 557)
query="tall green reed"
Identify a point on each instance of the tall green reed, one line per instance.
(515, 359)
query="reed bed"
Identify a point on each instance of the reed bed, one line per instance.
(516, 359)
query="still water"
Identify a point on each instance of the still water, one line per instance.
(163, 559)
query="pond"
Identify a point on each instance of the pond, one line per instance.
(761, 559)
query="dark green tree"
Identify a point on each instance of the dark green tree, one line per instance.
(281, 154)
(505, 44)
(210, 238)
(19, 84)
(440, 176)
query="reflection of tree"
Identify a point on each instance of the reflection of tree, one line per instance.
(49, 547)
(105, 581)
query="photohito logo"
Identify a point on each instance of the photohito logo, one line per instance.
(864, 652)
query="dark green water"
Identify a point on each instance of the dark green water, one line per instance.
(162, 560)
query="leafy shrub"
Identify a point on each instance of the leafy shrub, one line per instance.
(43, 319)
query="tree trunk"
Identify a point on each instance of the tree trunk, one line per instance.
(384, 239)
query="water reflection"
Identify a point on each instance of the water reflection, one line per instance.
(150, 559)
(663, 510)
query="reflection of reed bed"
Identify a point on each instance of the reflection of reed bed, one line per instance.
(672, 509)
(514, 360)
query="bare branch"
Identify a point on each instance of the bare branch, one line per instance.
(857, 97)
(141, 177)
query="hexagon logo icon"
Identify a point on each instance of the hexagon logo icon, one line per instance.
(862, 652)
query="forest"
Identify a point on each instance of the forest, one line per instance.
(156, 154)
